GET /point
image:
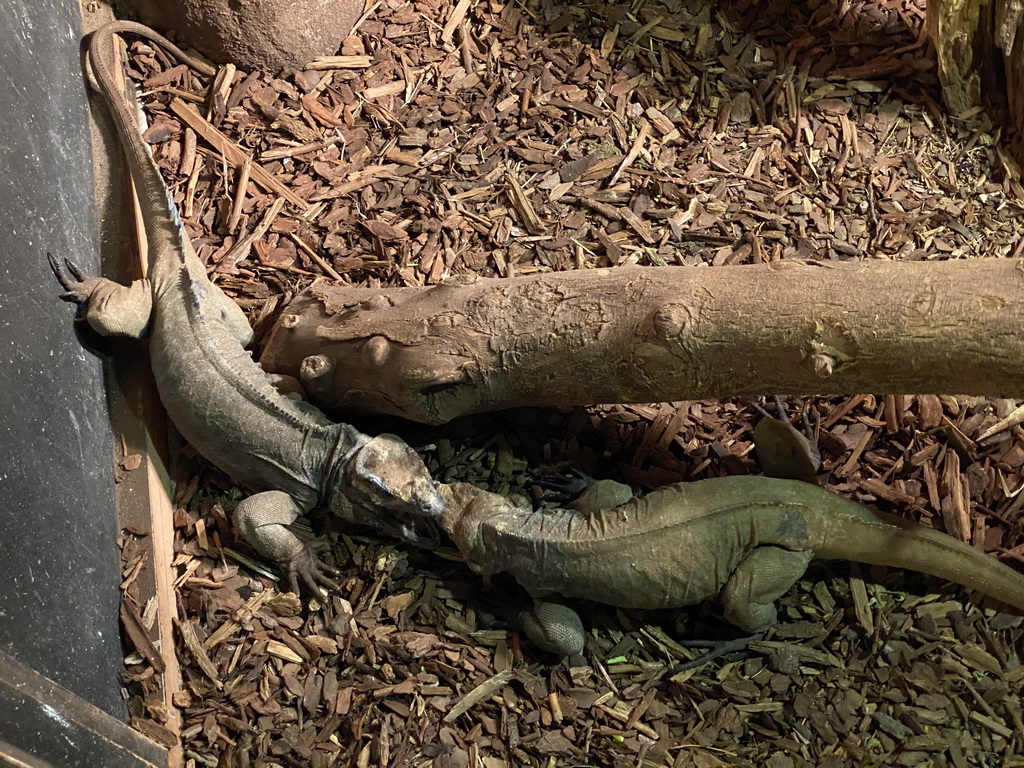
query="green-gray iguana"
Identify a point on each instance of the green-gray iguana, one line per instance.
(218, 398)
(745, 539)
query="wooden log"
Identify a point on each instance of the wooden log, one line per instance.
(658, 334)
(137, 417)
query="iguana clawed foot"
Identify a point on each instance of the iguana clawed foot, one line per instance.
(76, 284)
(562, 486)
(110, 308)
(553, 627)
(310, 571)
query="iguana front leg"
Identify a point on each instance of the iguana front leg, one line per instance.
(232, 316)
(552, 626)
(262, 518)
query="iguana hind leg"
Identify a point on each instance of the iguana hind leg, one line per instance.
(110, 308)
(553, 627)
(765, 575)
(232, 316)
(262, 518)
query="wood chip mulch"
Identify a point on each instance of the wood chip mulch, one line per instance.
(505, 139)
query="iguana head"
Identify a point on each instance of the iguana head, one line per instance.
(387, 486)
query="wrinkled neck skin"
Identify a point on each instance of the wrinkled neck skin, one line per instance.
(466, 508)
(353, 497)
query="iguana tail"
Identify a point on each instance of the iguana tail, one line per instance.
(164, 231)
(850, 531)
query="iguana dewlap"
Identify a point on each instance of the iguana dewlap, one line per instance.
(216, 395)
(745, 539)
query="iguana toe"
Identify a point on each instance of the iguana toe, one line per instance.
(75, 270)
(65, 276)
(76, 284)
(307, 568)
(564, 486)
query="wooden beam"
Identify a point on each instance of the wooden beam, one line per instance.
(138, 421)
(44, 724)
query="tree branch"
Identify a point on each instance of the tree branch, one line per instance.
(658, 334)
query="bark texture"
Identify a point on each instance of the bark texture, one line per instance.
(658, 334)
(981, 59)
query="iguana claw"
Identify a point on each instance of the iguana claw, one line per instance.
(563, 487)
(76, 284)
(60, 271)
(717, 648)
(311, 571)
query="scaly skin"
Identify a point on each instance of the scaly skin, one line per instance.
(218, 398)
(744, 539)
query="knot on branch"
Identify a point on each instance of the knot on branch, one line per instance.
(671, 321)
(315, 373)
(376, 351)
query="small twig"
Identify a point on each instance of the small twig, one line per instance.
(301, 149)
(320, 260)
(624, 717)
(240, 189)
(232, 152)
(368, 13)
(137, 633)
(533, 223)
(190, 187)
(188, 636)
(1012, 420)
(634, 151)
(360, 179)
(340, 62)
(241, 249)
(219, 93)
(188, 152)
(458, 14)
(485, 690)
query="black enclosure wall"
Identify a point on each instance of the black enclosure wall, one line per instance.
(58, 564)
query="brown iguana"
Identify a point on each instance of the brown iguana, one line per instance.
(745, 539)
(218, 398)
